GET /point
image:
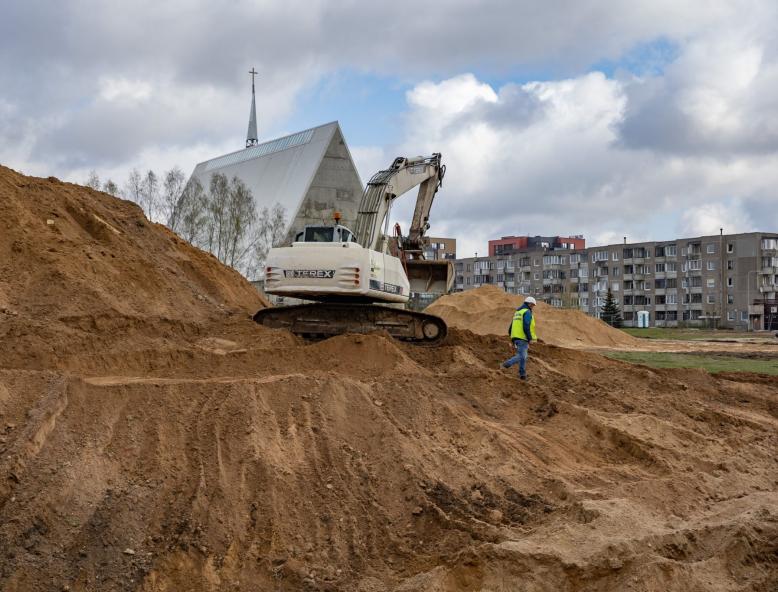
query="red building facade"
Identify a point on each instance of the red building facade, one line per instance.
(510, 244)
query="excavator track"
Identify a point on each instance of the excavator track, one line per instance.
(321, 320)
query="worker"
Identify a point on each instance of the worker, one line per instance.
(522, 331)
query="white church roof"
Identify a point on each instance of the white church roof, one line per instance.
(283, 170)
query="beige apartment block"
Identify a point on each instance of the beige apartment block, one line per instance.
(441, 248)
(725, 280)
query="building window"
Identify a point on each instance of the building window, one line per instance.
(730, 282)
(616, 272)
(711, 299)
(670, 251)
(672, 299)
(730, 315)
(743, 315)
(730, 299)
(695, 264)
(615, 286)
(711, 265)
(730, 264)
(615, 256)
(671, 266)
(710, 248)
(730, 248)
(660, 267)
(537, 275)
(711, 283)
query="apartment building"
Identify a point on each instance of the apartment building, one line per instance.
(719, 281)
(441, 248)
(512, 244)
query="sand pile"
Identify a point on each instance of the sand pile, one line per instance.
(489, 310)
(61, 240)
(213, 454)
(76, 262)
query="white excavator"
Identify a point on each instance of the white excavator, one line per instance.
(361, 281)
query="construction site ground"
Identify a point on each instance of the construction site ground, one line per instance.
(153, 438)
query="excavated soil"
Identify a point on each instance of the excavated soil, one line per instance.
(488, 310)
(153, 438)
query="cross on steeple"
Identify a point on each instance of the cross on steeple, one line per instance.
(251, 136)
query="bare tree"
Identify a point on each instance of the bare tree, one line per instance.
(111, 188)
(172, 189)
(133, 189)
(269, 232)
(242, 214)
(150, 194)
(192, 213)
(218, 207)
(93, 181)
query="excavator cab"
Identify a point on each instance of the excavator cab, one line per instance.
(325, 234)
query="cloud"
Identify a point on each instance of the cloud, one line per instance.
(548, 158)
(707, 219)
(718, 98)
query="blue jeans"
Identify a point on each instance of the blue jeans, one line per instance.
(522, 351)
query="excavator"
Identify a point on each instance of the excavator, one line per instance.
(361, 281)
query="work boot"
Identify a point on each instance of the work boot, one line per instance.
(522, 377)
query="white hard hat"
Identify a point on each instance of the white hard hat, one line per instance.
(530, 300)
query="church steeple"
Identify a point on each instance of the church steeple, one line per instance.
(251, 136)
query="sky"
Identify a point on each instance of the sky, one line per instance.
(647, 119)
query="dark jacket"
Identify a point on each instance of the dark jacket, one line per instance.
(527, 320)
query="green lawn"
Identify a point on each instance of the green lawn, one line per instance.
(711, 363)
(687, 334)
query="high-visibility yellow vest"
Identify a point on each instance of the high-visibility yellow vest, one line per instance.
(517, 326)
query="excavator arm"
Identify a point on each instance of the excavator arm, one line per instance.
(385, 186)
(371, 230)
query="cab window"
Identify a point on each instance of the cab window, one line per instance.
(318, 234)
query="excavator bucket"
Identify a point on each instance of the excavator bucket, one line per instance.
(435, 277)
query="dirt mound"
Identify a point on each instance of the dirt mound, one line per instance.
(489, 310)
(199, 451)
(76, 256)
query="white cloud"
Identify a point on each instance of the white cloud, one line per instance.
(707, 219)
(546, 158)
(112, 89)
(369, 160)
